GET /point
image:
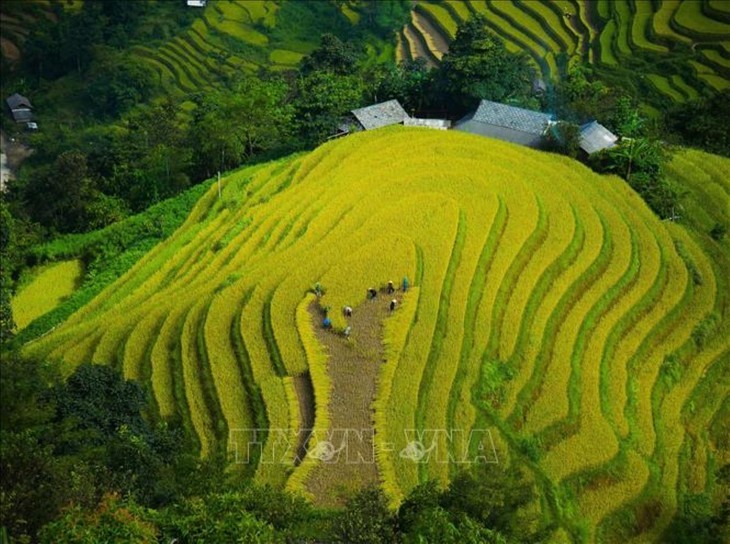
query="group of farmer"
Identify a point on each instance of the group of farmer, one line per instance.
(372, 294)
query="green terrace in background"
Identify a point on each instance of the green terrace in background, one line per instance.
(664, 51)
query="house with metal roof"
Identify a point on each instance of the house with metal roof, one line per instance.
(508, 123)
(20, 108)
(380, 115)
(594, 137)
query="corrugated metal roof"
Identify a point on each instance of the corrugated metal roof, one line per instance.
(594, 137)
(502, 115)
(16, 101)
(380, 115)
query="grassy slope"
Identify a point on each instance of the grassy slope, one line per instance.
(548, 301)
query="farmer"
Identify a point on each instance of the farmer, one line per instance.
(347, 331)
(405, 283)
(327, 323)
(372, 293)
(391, 289)
(393, 304)
(347, 310)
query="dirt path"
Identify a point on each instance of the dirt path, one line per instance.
(353, 366)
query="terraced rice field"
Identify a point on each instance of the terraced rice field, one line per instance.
(634, 43)
(49, 286)
(17, 18)
(228, 37)
(545, 303)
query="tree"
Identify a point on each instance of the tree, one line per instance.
(116, 82)
(582, 97)
(640, 162)
(366, 519)
(385, 16)
(411, 82)
(65, 197)
(7, 324)
(563, 137)
(114, 520)
(491, 496)
(478, 66)
(231, 127)
(332, 55)
(98, 398)
(322, 98)
(703, 123)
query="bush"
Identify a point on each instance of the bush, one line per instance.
(366, 519)
(718, 231)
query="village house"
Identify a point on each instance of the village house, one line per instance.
(508, 123)
(385, 114)
(20, 108)
(594, 137)
(380, 115)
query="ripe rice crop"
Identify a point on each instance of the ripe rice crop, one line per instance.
(558, 277)
(49, 286)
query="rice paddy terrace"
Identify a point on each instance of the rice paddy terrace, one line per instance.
(548, 305)
(226, 37)
(667, 50)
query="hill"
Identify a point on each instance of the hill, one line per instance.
(548, 306)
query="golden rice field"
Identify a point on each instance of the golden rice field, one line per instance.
(49, 286)
(547, 305)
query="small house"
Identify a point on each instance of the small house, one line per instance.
(20, 108)
(594, 137)
(197, 3)
(507, 123)
(380, 115)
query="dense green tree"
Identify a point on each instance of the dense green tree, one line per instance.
(581, 97)
(231, 127)
(30, 476)
(116, 82)
(640, 161)
(333, 55)
(114, 520)
(563, 137)
(385, 16)
(478, 66)
(411, 82)
(98, 398)
(7, 324)
(492, 496)
(65, 197)
(323, 98)
(703, 123)
(366, 519)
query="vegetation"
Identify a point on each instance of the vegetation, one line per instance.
(577, 323)
(563, 255)
(50, 286)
